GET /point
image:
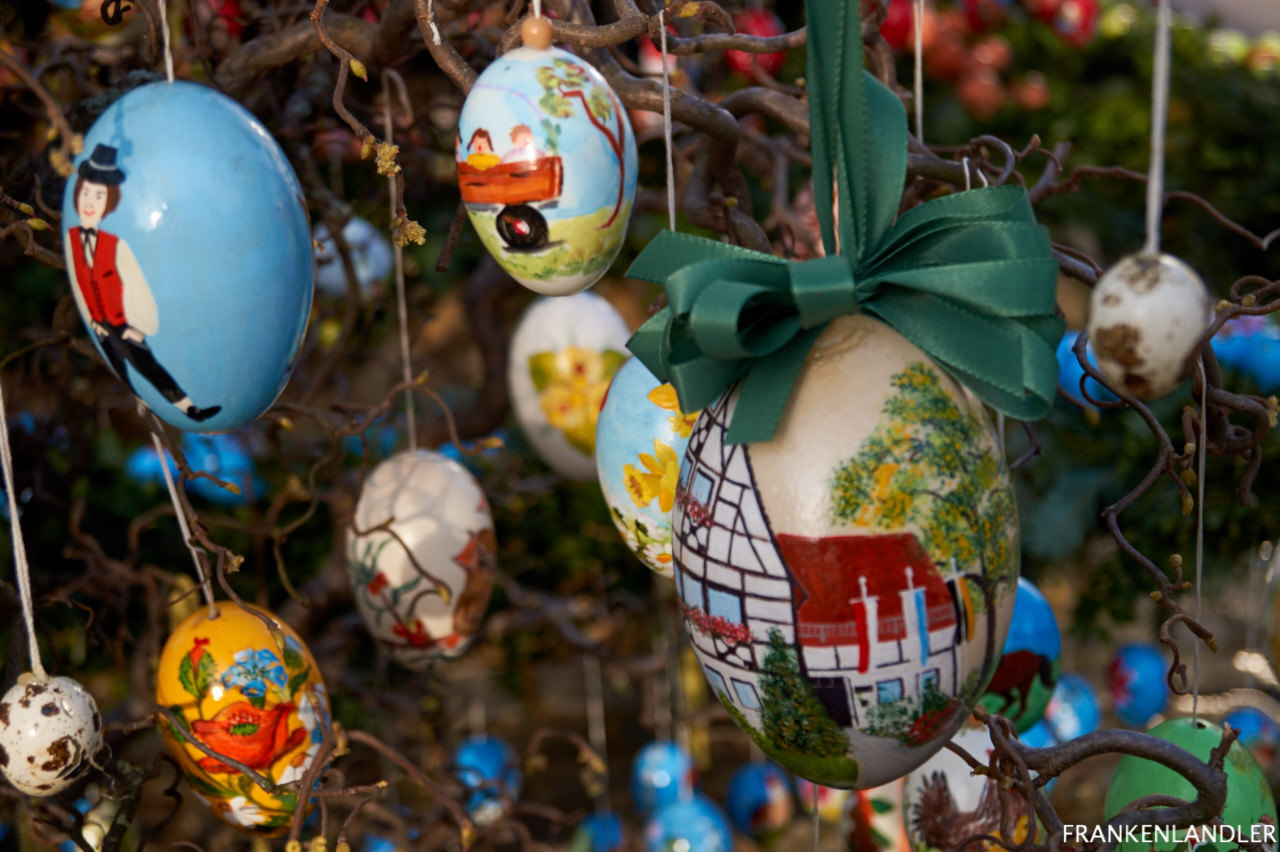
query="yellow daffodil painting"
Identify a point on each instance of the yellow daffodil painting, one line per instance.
(640, 441)
(571, 386)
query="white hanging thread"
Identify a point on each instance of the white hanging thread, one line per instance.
(596, 733)
(918, 26)
(1159, 118)
(817, 823)
(1195, 672)
(206, 587)
(164, 34)
(666, 124)
(19, 548)
(537, 8)
(431, 21)
(401, 302)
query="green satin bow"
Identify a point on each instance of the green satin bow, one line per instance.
(969, 278)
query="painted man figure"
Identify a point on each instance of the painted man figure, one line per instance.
(523, 150)
(111, 290)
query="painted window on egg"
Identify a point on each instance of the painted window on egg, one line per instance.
(692, 592)
(747, 694)
(717, 681)
(928, 680)
(724, 605)
(888, 691)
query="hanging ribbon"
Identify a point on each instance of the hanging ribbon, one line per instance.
(969, 277)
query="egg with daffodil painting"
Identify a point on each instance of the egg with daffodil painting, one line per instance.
(564, 353)
(640, 439)
(247, 696)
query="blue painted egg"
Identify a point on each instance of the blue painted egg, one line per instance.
(189, 253)
(1074, 709)
(1070, 373)
(1137, 680)
(371, 256)
(693, 825)
(759, 800)
(1258, 732)
(662, 774)
(547, 168)
(223, 456)
(1252, 346)
(489, 769)
(1028, 671)
(640, 438)
(598, 833)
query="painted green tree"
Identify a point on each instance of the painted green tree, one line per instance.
(562, 83)
(791, 712)
(930, 464)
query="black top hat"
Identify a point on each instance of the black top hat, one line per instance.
(101, 167)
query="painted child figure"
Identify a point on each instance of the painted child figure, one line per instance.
(111, 291)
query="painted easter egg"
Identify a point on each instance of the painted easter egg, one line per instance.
(223, 456)
(1147, 316)
(1137, 678)
(689, 824)
(1249, 806)
(874, 821)
(421, 557)
(489, 770)
(564, 353)
(234, 687)
(50, 734)
(371, 257)
(756, 22)
(848, 585)
(1028, 671)
(1252, 346)
(830, 802)
(189, 253)
(759, 801)
(1074, 709)
(946, 804)
(662, 774)
(598, 833)
(547, 168)
(1076, 22)
(640, 438)
(1258, 732)
(1070, 373)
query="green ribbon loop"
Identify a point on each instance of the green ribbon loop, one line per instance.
(969, 278)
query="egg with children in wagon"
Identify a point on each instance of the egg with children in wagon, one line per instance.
(547, 168)
(188, 249)
(249, 696)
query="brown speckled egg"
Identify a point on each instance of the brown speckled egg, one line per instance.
(50, 734)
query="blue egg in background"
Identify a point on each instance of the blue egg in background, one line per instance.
(1027, 674)
(598, 833)
(1074, 709)
(1251, 345)
(759, 799)
(662, 774)
(188, 250)
(1137, 681)
(697, 821)
(1258, 732)
(489, 769)
(223, 456)
(1070, 372)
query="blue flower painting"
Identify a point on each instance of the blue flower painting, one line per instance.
(252, 671)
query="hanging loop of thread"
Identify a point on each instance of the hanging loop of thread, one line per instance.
(537, 8)
(1200, 450)
(401, 302)
(206, 584)
(1159, 118)
(20, 566)
(164, 35)
(666, 123)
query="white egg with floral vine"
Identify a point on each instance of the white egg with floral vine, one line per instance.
(640, 439)
(564, 353)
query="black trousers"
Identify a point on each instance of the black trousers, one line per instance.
(120, 352)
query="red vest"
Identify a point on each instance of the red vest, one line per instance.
(100, 286)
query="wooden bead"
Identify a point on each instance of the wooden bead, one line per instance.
(536, 33)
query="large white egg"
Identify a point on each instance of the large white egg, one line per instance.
(422, 581)
(848, 585)
(564, 353)
(50, 734)
(1147, 317)
(372, 257)
(547, 168)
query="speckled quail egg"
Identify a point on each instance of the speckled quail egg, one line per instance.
(50, 734)
(1147, 318)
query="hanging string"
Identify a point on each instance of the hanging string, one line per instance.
(817, 823)
(1159, 117)
(164, 34)
(476, 716)
(537, 8)
(666, 124)
(19, 548)
(1195, 672)
(206, 586)
(401, 301)
(596, 733)
(918, 26)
